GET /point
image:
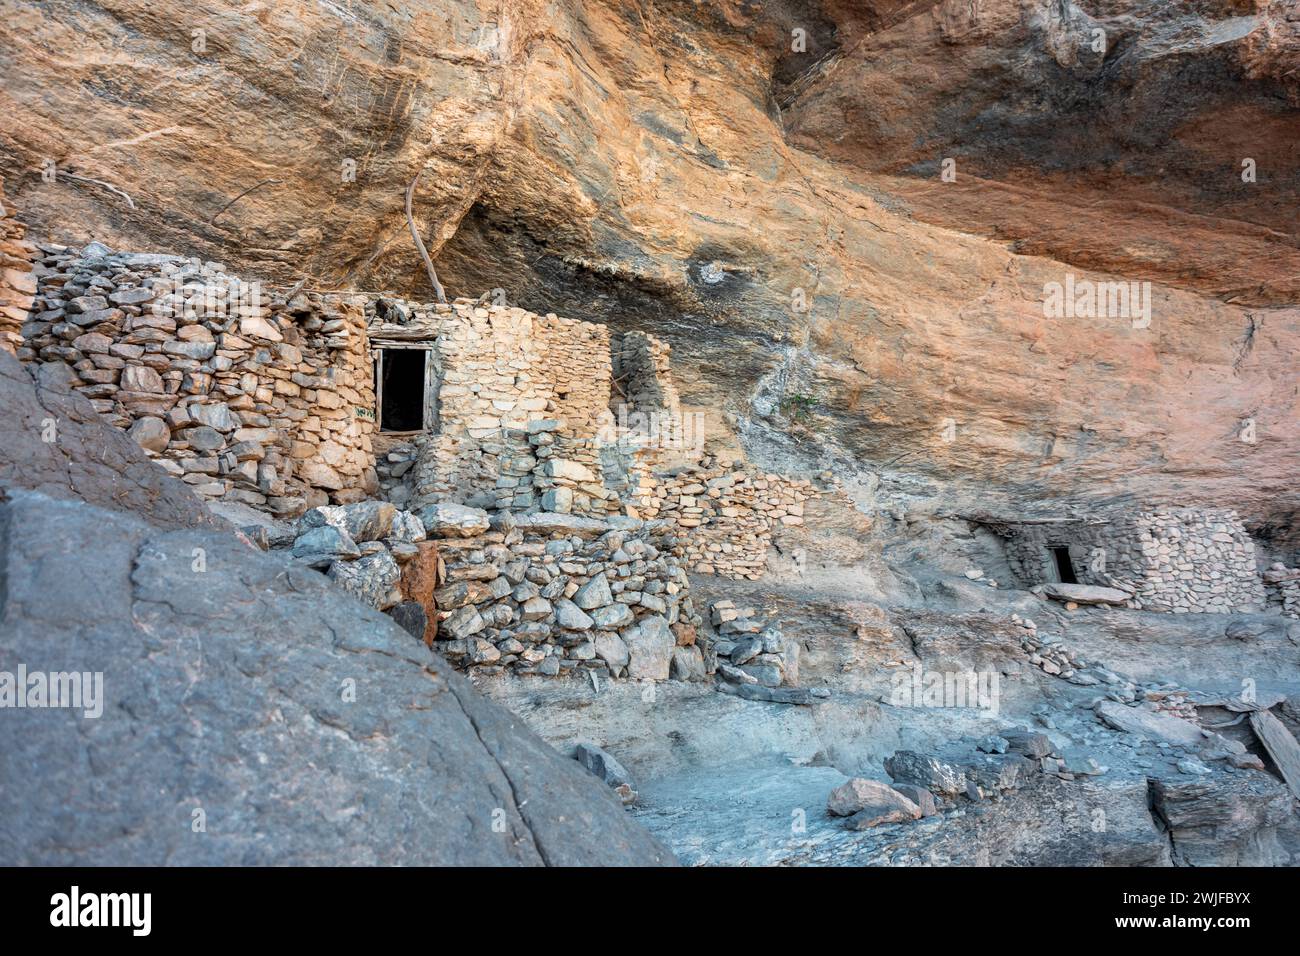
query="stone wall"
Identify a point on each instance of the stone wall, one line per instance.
(522, 403)
(723, 514)
(642, 373)
(17, 284)
(538, 413)
(557, 595)
(1195, 560)
(1186, 560)
(268, 403)
(271, 403)
(1282, 587)
(1029, 550)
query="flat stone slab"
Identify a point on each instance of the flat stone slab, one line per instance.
(1087, 594)
(1135, 720)
(775, 695)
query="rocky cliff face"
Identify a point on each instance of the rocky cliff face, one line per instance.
(763, 186)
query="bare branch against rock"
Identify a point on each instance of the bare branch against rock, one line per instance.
(419, 243)
(99, 182)
(264, 182)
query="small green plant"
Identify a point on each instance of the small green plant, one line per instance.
(799, 406)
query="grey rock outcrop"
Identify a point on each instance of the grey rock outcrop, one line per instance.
(1223, 821)
(253, 713)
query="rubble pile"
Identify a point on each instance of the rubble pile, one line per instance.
(751, 649)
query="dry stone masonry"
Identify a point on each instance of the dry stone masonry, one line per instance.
(17, 284)
(725, 514)
(552, 594)
(540, 413)
(1184, 560)
(261, 402)
(1282, 585)
(543, 516)
(520, 401)
(541, 519)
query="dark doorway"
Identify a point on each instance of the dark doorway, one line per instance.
(402, 386)
(1064, 567)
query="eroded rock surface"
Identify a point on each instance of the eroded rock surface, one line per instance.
(680, 168)
(52, 440)
(255, 714)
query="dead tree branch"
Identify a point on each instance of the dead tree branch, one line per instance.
(264, 182)
(419, 243)
(99, 182)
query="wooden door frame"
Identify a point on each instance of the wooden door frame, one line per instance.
(377, 350)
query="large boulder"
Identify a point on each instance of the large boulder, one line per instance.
(363, 521)
(611, 649)
(603, 764)
(322, 546)
(869, 803)
(858, 793)
(924, 770)
(253, 713)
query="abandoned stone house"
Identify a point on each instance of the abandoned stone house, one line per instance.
(284, 404)
(1180, 560)
(563, 492)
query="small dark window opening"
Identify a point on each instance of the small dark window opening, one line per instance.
(403, 389)
(1064, 567)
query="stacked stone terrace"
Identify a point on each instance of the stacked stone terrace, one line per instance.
(554, 595)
